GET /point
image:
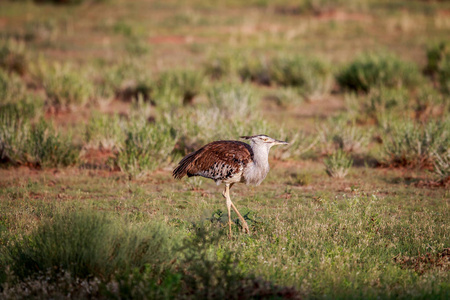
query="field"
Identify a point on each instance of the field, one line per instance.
(100, 99)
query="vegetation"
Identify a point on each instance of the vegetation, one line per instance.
(96, 112)
(375, 70)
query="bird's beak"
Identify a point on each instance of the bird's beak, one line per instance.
(277, 142)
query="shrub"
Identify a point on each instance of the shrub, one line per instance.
(375, 70)
(235, 101)
(104, 132)
(185, 83)
(219, 67)
(442, 166)
(65, 87)
(146, 147)
(444, 76)
(90, 244)
(255, 69)
(12, 88)
(338, 135)
(126, 81)
(311, 76)
(338, 164)
(409, 144)
(13, 57)
(39, 145)
(48, 148)
(436, 55)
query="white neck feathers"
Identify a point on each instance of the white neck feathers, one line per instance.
(257, 170)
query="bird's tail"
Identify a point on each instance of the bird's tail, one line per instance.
(182, 168)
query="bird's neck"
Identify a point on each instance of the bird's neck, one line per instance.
(261, 156)
(258, 169)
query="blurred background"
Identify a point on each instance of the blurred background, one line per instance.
(108, 73)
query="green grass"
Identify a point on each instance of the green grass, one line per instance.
(96, 112)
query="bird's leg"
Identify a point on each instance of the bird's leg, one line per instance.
(244, 223)
(226, 194)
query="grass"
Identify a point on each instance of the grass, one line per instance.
(96, 112)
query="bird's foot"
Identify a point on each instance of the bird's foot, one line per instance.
(245, 228)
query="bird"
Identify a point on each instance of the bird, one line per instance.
(230, 162)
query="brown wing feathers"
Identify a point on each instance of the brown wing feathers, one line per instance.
(216, 160)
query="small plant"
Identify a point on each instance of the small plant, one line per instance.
(311, 76)
(146, 147)
(223, 66)
(65, 87)
(237, 101)
(104, 132)
(412, 145)
(12, 88)
(442, 166)
(375, 70)
(436, 55)
(255, 69)
(185, 83)
(338, 164)
(47, 148)
(339, 135)
(13, 57)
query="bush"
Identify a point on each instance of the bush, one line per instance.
(311, 76)
(338, 135)
(412, 145)
(13, 57)
(442, 166)
(89, 244)
(338, 164)
(444, 76)
(219, 67)
(104, 132)
(12, 88)
(375, 70)
(146, 147)
(39, 145)
(436, 55)
(185, 83)
(235, 101)
(65, 87)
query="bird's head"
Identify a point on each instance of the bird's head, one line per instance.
(263, 139)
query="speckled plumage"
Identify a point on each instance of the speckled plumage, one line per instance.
(220, 161)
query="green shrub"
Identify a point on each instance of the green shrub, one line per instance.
(338, 164)
(104, 132)
(219, 67)
(436, 55)
(442, 165)
(255, 69)
(48, 148)
(338, 135)
(126, 81)
(234, 100)
(311, 76)
(39, 145)
(64, 86)
(12, 88)
(375, 70)
(184, 83)
(409, 144)
(444, 76)
(146, 147)
(90, 244)
(13, 57)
